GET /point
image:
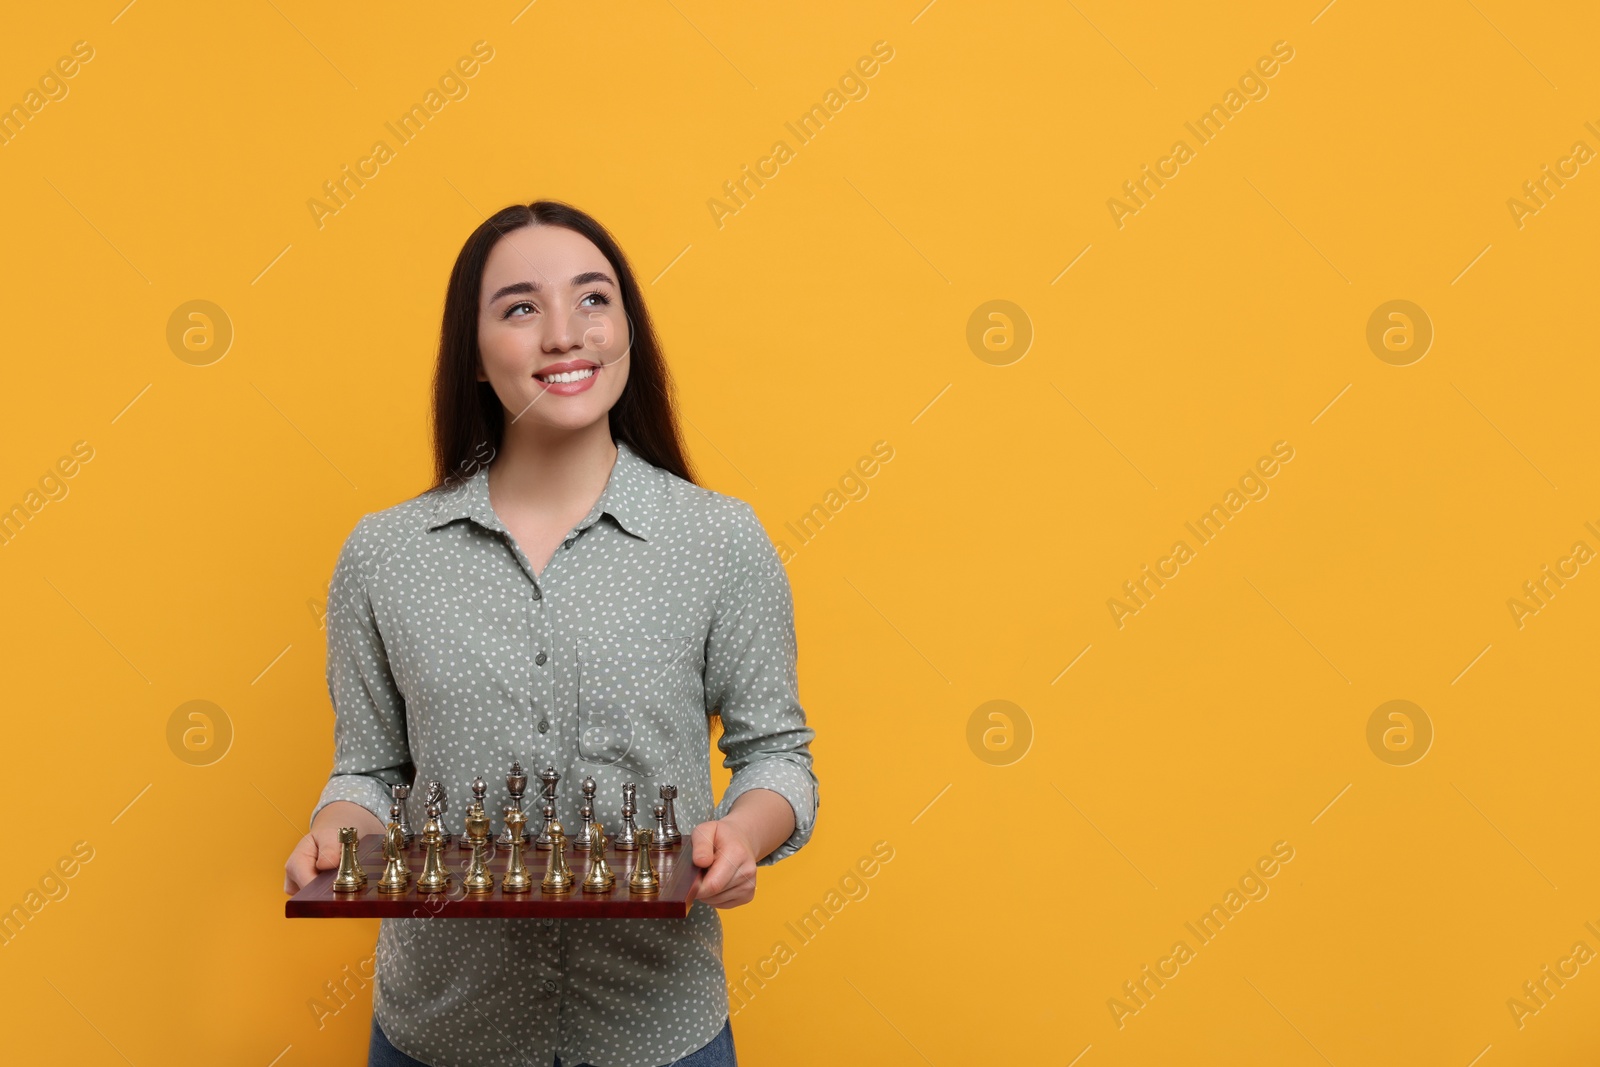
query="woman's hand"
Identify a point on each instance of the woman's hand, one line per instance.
(730, 859)
(319, 850)
(759, 821)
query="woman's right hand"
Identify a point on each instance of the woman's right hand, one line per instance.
(319, 849)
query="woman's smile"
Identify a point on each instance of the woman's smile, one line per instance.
(568, 379)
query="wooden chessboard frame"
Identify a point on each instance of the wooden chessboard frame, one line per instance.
(680, 880)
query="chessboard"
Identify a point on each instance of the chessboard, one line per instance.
(680, 879)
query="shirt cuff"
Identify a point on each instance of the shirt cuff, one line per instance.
(794, 783)
(362, 789)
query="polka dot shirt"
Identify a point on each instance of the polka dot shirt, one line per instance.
(448, 659)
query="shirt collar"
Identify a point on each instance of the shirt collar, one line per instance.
(629, 498)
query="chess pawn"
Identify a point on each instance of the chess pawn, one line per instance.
(478, 879)
(599, 878)
(545, 838)
(479, 790)
(351, 878)
(584, 841)
(628, 837)
(644, 878)
(516, 879)
(401, 793)
(557, 876)
(435, 876)
(669, 793)
(516, 786)
(658, 840)
(396, 875)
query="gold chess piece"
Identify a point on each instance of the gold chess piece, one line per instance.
(396, 875)
(351, 878)
(478, 879)
(644, 880)
(557, 875)
(516, 879)
(599, 878)
(435, 876)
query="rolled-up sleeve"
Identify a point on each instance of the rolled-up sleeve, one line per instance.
(751, 681)
(371, 752)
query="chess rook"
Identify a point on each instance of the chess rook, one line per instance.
(351, 878)
(549, 778)
(401, 794)
(669, 793)
(628, 836)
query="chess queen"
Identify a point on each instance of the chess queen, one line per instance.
(564, 596)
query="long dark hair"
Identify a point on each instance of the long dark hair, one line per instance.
(468, 419)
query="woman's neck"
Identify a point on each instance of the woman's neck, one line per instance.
(551, 475)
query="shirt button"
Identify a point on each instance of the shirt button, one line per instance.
(549, 922)
(544, 728)
(540, 658)
(536, 594)
(567, 543)
(550, 987)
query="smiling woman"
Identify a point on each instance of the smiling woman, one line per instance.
(577, 604)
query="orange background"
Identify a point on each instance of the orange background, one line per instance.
(1040, 860)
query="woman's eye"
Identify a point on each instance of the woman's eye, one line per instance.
(603, 298)
(519, 304)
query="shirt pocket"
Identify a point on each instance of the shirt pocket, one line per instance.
(638, 694)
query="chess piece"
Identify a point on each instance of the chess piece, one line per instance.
(658, 841)
(435, 876)
(584, 841)
(544, 839)
(479, 790)
(549, 778)
(628, 837)
(599, 878)
(669, 793)
(516, 786)
(351, 878)
(644, 880)
(557, 875)
(478, 879)
(516, 879)
(396, 875)
(436, 796)
(401, 793)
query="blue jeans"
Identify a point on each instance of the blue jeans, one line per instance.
(719, 1053)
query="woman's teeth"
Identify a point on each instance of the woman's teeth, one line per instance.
(569, 376)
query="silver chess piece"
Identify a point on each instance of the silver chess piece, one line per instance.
(400, 793)
(436, 796)
(628, 837)
(546, 839)
(584, 841)
(658, 841)
(549, 778)
(516, 786)
(669, 793)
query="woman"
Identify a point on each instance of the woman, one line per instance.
(564, 596)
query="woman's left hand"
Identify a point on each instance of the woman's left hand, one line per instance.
(724, 849)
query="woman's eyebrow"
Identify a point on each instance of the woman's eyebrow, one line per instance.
(533, 287)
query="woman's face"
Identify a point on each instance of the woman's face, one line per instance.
(553, 336)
